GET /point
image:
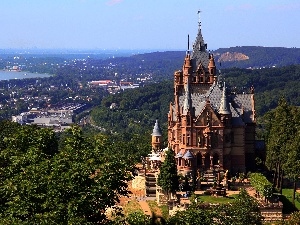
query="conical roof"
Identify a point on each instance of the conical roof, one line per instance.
(188, 155)
(156, 129)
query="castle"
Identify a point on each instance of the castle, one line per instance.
(209, 127)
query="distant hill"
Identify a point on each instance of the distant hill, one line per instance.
(256, 56)
(163, 64)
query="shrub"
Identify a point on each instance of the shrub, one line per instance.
(261, 184)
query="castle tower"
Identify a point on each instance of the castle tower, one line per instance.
(156, 137)
(208, 126)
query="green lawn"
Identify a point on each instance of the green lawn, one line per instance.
(132, 206)
(287, 200)
(161, 210)
(164, 211)
(154, 207)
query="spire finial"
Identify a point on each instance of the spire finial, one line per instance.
(188, 43)
(199, 20)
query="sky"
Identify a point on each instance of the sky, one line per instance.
(147, 24)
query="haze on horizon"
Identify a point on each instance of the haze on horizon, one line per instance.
(147, 24)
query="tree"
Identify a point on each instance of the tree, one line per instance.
(246, 209)
(192, 216)
(23, 173)
(137, 218)
(293, 219)
(74, 185)
(168, 178)
(281, 129)
(292, 161)
(243, 211)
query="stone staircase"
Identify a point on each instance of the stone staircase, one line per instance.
(150, 182)
(209, 176)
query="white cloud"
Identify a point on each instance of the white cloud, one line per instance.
(113, 2)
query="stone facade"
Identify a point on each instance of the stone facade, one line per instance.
(209, 126)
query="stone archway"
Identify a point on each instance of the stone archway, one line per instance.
(216, 159)
(199, 160)
(207, 161)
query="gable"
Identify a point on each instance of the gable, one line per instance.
(207, 117)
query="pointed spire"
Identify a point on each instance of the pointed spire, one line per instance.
(186, 104)
(188, 49)
(200, 54)
(224, 105)
(156, 129)
(199, 20)
(212, 61)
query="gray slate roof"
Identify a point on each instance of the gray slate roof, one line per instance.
(188, 155)
(199, 55)
(240, 104)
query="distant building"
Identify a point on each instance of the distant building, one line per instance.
(128, 85)
(58, 118)
(101, 83)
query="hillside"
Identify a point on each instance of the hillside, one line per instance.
(256, 56)
(137, 109)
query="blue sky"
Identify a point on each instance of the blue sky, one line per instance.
(147, 24)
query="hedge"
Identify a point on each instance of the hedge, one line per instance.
(261, 184)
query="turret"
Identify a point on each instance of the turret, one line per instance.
(224, 105)
(211, 68)
(156, 137)
(187, 66)
(177, 77)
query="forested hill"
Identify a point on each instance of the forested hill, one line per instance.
(137, 109)
(269, 84)
(257, 57)
(163, 64)
(241, 57)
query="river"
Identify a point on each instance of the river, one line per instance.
(7, 75)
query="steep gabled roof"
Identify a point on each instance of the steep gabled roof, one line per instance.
(199, 54)
(238, 105)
